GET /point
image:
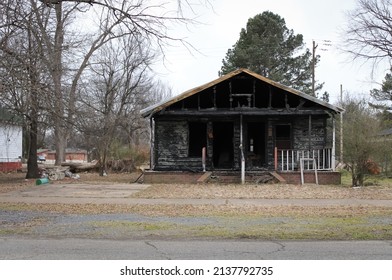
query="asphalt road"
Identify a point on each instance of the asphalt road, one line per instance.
(95, 249)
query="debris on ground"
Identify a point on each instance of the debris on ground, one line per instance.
(57, 173)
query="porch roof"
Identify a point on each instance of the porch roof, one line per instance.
(149, 111)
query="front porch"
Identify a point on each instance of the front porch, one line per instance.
(318, 159)
(291, 166)
(234, 177)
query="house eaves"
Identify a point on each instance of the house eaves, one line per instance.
(151, 110)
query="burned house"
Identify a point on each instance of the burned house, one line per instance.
(243, 122)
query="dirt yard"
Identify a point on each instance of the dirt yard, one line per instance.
(17, 181)
(201, 221)
(379, 190)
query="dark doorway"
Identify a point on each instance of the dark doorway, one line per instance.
(197, 138)
(223, 145)
(283, 136)
(256, 144)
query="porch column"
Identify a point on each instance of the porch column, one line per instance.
(333, 143)
(152, 130)
(310, 133)
(242, 152)
(341, 138)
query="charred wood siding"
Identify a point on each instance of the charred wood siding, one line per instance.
(270, 143)
(172, 146)
(171, 143)
(172, 140)
(236, 141)
(301, 135)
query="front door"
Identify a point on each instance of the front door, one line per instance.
(223, 147)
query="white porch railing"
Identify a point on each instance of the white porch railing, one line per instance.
(289, 160)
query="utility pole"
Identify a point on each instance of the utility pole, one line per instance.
(341, 126)
(314, 67)
(324, 47)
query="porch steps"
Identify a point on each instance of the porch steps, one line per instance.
(203, 178)
(258, 177)
(264, 177)
(234, 177)
(278, 177)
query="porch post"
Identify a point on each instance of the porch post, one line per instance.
(333, 143)
(152, 128)
(310, 132)
(203, 158)
(341, 138)
(242, 152)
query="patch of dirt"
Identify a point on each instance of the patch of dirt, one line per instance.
(16, 181)
(212, 221)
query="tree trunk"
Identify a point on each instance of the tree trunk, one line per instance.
(57, 74)
(60, 143)
(32, 161)
(102, 169)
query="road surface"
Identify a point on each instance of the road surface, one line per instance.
(95, 249)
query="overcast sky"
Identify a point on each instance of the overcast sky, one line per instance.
(316, 20)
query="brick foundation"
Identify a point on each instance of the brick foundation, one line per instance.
(171, 177)
(185, 177)
(10, 166)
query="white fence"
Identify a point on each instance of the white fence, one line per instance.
(289, 160)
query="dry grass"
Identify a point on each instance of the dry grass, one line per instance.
(230, 221)
(264, 191)
(383, 190)
(16, 181)
(205, 210)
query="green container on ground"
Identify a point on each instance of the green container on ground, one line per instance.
(42, 181)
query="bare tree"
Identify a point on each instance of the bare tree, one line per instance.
(22, 75)
(116, 19)
(65, 51)
(361, 143)
(119, 81)
(137, 127)
(369, 31)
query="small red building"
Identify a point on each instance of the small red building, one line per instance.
(71, 155)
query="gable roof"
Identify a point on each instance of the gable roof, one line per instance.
(166, 103)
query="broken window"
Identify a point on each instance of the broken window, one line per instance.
(197, 138)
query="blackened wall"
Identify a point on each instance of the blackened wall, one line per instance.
(171, 143)
(301, 139)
